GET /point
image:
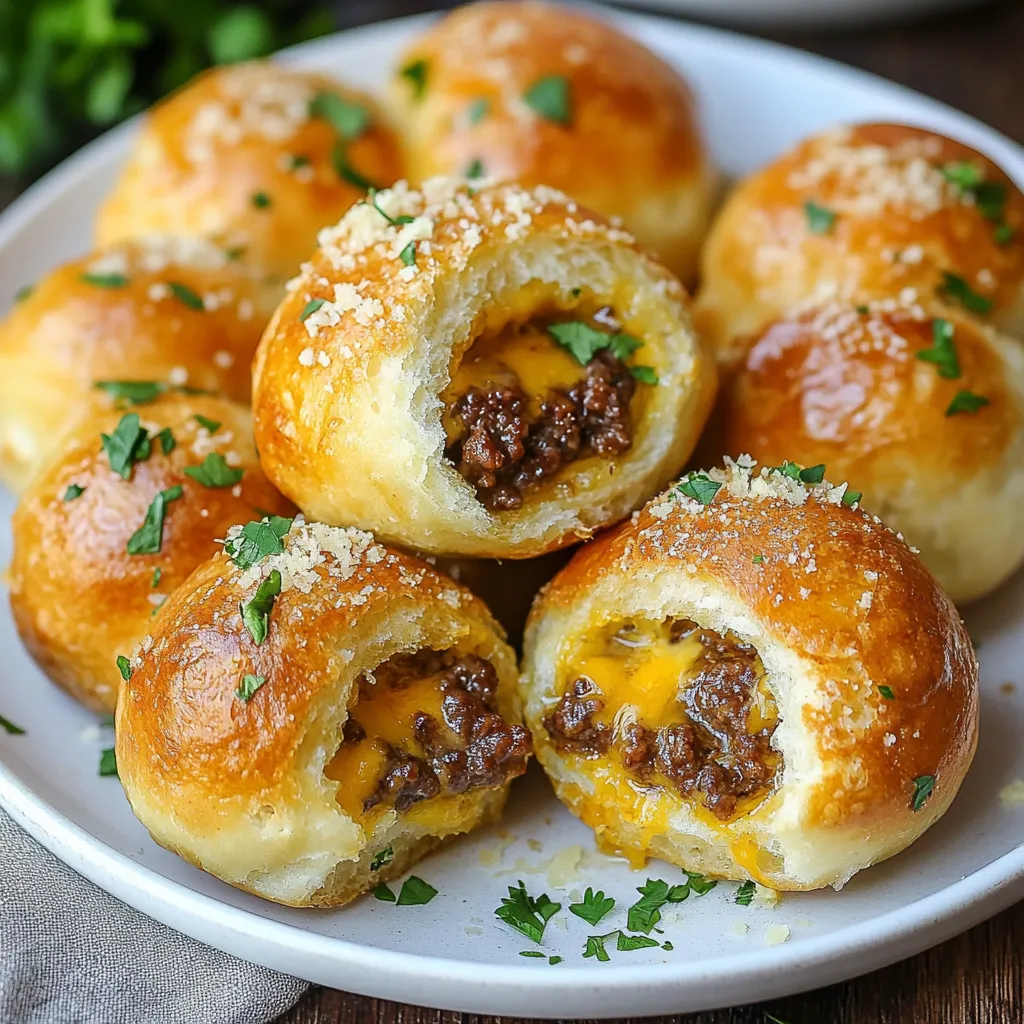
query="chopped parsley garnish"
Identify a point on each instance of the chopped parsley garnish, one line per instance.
(250, 684)
(863, 309)
(593, 907)
(415, 72)
(204, 421)
(73, 491)
(595, 947)
(10, 728)
(235, 252)
(924, 785)
(625, 942)
(133, 392)
(955, 287)
(584, 342)
(348, 119)
(256, 612)
(402, 218)
(667, 945)
(963, 174)
(215, 472)
(478, 110)
(552, 960)
(699, 885)
(745, 893)
(108, 762)
(310, 308)
(124, 666)
(24, 292)
(886, 692)
(644, 374)
(549, 97)
(989, 196)
(298, 161)
(260, 200)
(157, 573)
(810, 475)
(148, 538)
(966, 401)
(408, 255)
(852, 497)
(475, 169)
(382, 858)
(654, 894)
(526, 914)
(257, 540)
(129, 443)
(820, 219)
(383, 892)
(758, 559)
(186, 296)
(166, 440)
(104, 280)
(700, 487)
(415, 892)
(1004, 234)
(943, 350)
(532, 953)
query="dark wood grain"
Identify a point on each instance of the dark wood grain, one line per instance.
(974, 61)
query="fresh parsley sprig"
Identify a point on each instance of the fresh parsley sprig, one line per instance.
(593, 906)
(525, 913)
(257, 540)
(256, 611)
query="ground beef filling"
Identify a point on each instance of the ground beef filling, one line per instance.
(469, 746)
(505, 453)
(708, 751)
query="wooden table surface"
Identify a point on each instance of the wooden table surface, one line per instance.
(974, 61)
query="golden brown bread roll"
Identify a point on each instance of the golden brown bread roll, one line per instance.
(323, 743)
(924, 415)
(875, 211)
(256, 156)
(754, 680)
(544, 95)
(175, 311)
(79, 594)
(483, 371)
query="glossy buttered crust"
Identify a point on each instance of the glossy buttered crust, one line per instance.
(837, 606)
(237, 155)
(79, 599)
(346, 397)
(238, 787)
(632, 147)
(128, 312)
(847, 388)
(899, 225)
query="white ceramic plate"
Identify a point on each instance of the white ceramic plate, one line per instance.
(757, 99)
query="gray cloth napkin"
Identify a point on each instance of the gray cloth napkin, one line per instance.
(72, 954)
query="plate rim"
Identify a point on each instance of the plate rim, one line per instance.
(793, 966)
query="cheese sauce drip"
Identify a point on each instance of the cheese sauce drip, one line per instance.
(425, 727)
(678, 708)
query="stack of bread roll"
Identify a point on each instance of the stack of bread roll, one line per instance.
(483, 358)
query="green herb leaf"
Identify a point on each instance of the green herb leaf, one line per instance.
(552, 960)
(215, 472)
(990, 198)
(415, 892)
(1004, 234)
(478, 110)
(73, 491)
(166, 440)
(745, 893)
(595, 947)
(475, 169)
(133, 392)
(240, 33)
(256, 612)
(350, 120)
(104, 280)
(383, 893)
(956, 288)
(699, 884)
(549, 97)
(584, 342)
(415, 72)
(260, 200)
(128, 444)
(851, 497)
(943, 350)
(886, 692)
(186, 296)
(124, 666)
(345, 171)
(108, 762)
(297, 161)
(211, 425)
(966, 401)
(526, 914)
(10, 728)
(813, 474)
(402, 218)
(758, 559)
(382, 858)
(820, 219)
(593, 907)
(24, 292)
(654, 894)
(644, 374)
(148, 538)
(157, 573)
(531, 953)
(863, 310)
(625, 942)
(256, 540)
(408, 255)
(235, 252)
(668, 946)
(250, 684)
(699, 487)
(310, 308)
(924, 785)
(622, 346)
(963, 174)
